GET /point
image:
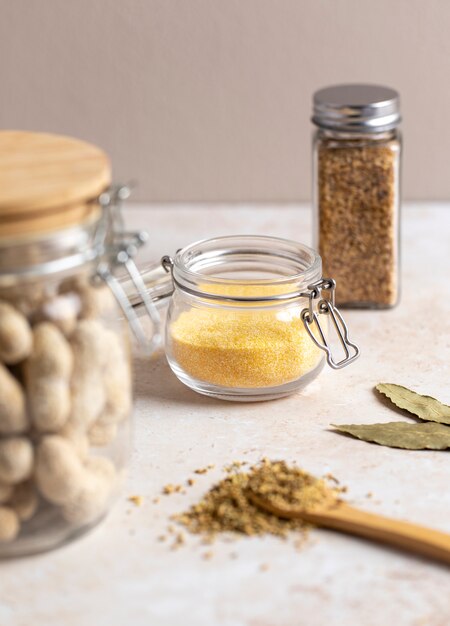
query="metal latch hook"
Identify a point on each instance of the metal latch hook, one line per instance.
(327, 307)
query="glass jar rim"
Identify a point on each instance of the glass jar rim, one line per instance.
(291, 266)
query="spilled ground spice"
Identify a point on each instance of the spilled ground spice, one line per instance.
(136, 500)
(204, 470)
(227, 506)
(168, 489)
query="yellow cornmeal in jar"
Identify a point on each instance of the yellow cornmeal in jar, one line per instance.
(241, 348)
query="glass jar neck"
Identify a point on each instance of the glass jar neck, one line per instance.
(246, 269)
(50, 253)
(97, 239)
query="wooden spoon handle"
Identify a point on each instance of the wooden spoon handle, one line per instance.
(418, 539)
(411, 537)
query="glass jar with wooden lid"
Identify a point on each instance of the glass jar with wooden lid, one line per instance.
(65, 369)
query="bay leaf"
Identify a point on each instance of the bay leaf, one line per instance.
(427, 436)
(425, 407)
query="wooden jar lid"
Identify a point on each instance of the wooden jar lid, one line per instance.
(48, 182)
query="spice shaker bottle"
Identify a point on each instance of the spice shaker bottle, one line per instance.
(356, 192)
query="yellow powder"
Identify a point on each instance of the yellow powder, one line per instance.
(238, 347)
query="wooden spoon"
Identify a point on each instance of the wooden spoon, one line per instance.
(340, 516)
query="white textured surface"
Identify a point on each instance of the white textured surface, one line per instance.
(120, 574)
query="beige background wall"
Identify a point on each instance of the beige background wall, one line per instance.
(209, 100)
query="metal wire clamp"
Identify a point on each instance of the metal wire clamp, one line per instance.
(326, 306)
(121, 247)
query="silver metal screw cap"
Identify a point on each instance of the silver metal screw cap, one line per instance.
(356, 108)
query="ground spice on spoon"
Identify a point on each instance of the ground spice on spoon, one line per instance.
(227, 506)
